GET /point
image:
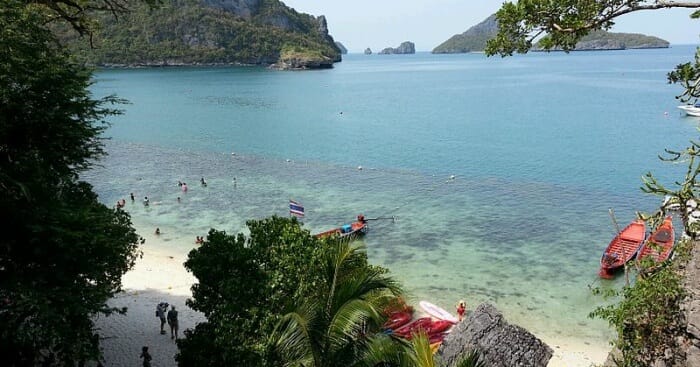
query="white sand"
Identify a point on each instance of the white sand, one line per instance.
(160, 276)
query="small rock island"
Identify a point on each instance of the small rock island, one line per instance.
(405, 48)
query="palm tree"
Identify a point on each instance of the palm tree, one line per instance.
(340, 326)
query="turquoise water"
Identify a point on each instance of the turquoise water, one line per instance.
(540, 145)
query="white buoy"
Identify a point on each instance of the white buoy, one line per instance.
(233, 153)
(452, 177)
(289, 160)
(359, 168)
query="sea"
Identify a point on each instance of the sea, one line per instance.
(491, 178)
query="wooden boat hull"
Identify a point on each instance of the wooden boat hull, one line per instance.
(622, 248)
(659, 246)
(351, 230)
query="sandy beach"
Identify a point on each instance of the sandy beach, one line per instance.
(160, 276)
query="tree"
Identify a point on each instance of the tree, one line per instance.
(245, 286)
(339, 326)
(63, 253)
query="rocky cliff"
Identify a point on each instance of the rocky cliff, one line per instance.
(341, 47)
(499, 343)
(405, 48)
(190, 32)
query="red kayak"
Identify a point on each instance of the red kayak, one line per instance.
(434, 328)
(622, 248)
(660, 244)
(437, 338)
(414, 326)
(397, 319)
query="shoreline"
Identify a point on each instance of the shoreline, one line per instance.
(159, 275)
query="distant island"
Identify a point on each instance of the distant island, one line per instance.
(405, 48)
(602, 40)
(368, 51)
(208, 32)
(475, 38)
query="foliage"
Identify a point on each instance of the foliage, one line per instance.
(245, 285)
(647, 317)
(63, 253)
(190, 32)
(472, 359)
(339, 325)
(686, 191)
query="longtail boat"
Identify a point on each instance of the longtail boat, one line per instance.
(622, 248)
(356, 228)
(660, 244)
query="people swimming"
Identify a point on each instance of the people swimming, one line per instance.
(146, 201)
(157, 231)
(204, 183)
(184, 187)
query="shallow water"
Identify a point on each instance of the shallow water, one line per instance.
(540, 145)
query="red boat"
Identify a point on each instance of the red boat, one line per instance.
(660, 244)
(406, 330)
(622, 248)
(356, 228)
(398, 319)
(437, 327)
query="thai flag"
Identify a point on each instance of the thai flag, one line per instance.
(296, 208)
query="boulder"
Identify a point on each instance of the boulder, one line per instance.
(500, 344)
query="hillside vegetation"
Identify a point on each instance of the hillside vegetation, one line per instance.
(182, 32)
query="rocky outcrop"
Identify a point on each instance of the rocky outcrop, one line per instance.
(499, 343)
(405, 48)
(368, 51)
(341, 47)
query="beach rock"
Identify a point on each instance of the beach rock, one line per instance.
(498, 342)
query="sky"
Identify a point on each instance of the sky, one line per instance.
(378, 24)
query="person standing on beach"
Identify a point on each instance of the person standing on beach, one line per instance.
(160, 312)
(461, 308)
(146, 357)
(172, 321)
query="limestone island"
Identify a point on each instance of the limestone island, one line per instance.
(405, 48)
(368, 51)
(208, 32)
